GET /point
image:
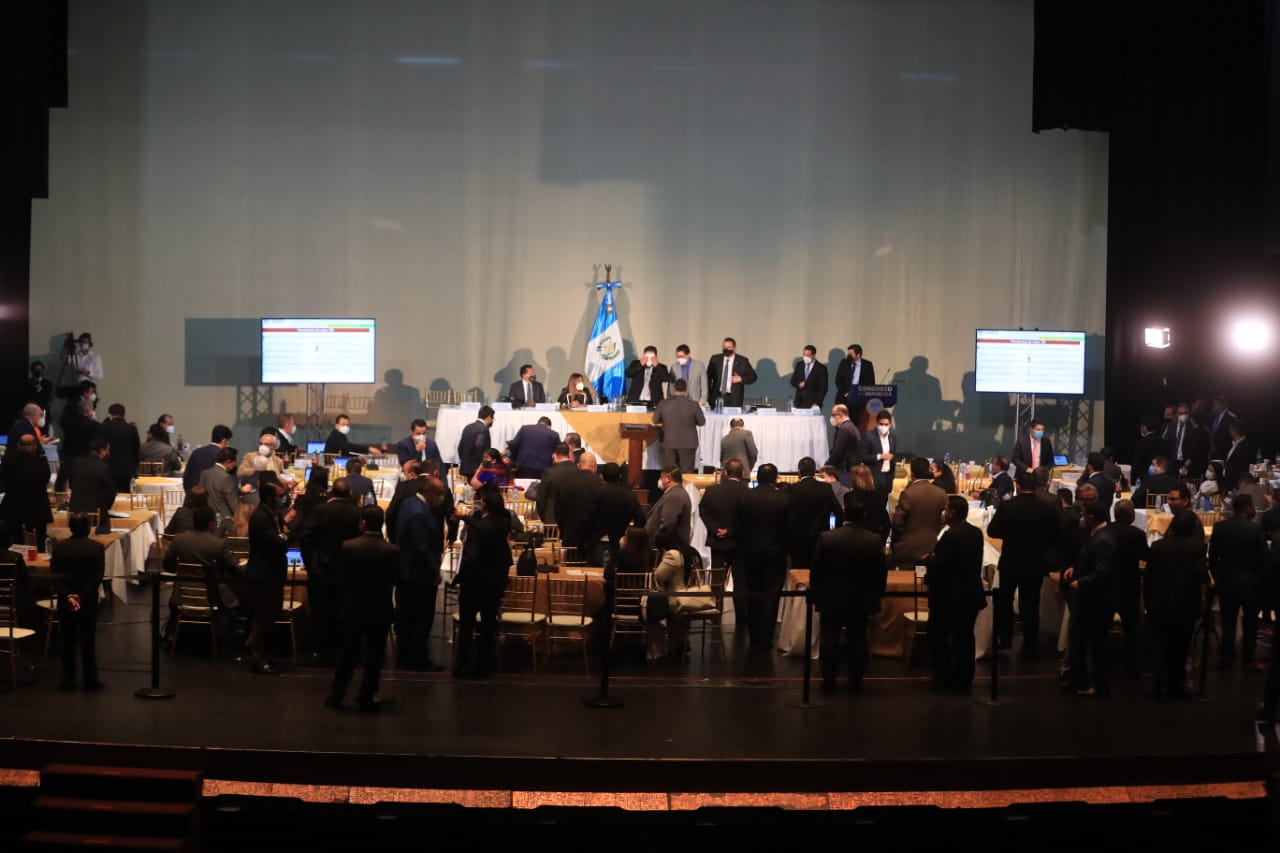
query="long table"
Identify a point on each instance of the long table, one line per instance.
(782, 439)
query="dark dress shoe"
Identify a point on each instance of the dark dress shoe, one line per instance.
(94, 686)
(67, 686)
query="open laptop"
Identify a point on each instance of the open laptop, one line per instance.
(1060, 460)
(314, 447)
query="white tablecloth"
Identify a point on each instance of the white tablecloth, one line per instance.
(782, 439)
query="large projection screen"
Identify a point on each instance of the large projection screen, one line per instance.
(298, 350)
(1021, 362)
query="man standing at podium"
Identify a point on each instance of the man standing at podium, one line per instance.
(728, 375)
(854, 371)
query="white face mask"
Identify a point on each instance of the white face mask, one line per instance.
(420, 439)
(682, 360)
(832, 420)
(40, 423)
(1182, 419)
(93, 398)
(169, 429)
(582, 386)
(1209, 475)
(808, 359)
(882, 429)
(264, 450)
(344, 429)
(84, 346)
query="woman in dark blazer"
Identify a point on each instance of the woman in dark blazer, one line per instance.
(264, 576)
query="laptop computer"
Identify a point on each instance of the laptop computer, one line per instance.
(1060, 460)
(314, 447)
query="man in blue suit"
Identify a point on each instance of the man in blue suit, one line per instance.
(420, 536)
(417, 446)
(531, 448)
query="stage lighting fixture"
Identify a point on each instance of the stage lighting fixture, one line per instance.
(1250, 335)
(1157, 337)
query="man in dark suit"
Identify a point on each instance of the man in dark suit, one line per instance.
(575, 505)
(39, 389)
(846, 580)
(728, 375)
(1171, 589)
(1219, 427)
(616, 509)
(285, 429)
(417, 446)
(420, 536)
(646, 377)
(1028, 528)
(1188, 443)
(1241, 452)
(339, 445)
(877, 450)
(527, 390)
(1033, 450)
(1090, 583)
(953, 574)
(561, 490)
(810, 507)
(718, 510)
(1156, 480)
(1237, 555)
(679, 417)
(26, 424)
(264, 577)
(79, 430)
(405, 489)
(1095, 473)
(531, 448)
(205, 457)
(368, 567)
(760, 529)
(844, 449)
(854, 371)
(77, 566)
(360, 486)
(1001, 478)
(24, 473)
(328, 526)
(670, 520)
(202, 546)
(917, 519)
(474, 442)
(810, 380)
(1126, 581)
(92, 486)
(486, 559)
(1150, 445)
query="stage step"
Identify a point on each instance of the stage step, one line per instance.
(118, 808)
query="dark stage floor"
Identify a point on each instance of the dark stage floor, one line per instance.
(724, 723)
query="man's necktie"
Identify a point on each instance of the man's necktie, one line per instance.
(724, 380)
(1180, 428)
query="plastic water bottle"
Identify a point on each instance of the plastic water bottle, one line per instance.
(48, 546)
(946, 458)
(964, 470)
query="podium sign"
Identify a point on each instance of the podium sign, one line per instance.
(872, 399)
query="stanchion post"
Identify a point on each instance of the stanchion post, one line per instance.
(155, 691)
(603, 699)
(994, 651)
(1206, 626)
(805, 702)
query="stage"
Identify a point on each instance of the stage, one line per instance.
(721, 726)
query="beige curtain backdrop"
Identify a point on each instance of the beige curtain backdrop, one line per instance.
(783, 171)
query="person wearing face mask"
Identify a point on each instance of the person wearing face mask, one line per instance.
(527, 390)
(84, 363)
(167, 427)
(417, 446)
(1033, 450)
(1156, 481)
(844, 449)
(1237, 555)
(250, 467)
(219, 481)
(646, 377)
(420, 536)
(80, 430)
(877, 450)
(729, 374)
(1188, 443)
(29, 422)
(1090, 583)
(339, 445)
(39, 388)
(577, 394)
(1149, 445)
(693, 372)
(284, 431)
(122, 436)
(854, 371)
(86, 392)
(24, 472)
(809, 379)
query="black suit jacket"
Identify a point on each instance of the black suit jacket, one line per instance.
(1160, 483)
(268, 551)
(1220, 437)
(1094, 570)
(761, 523)
(734, 394)
(718, 510)
(283, 444)
(77, 566)
(872, 445)
(25, 479)
(1195, 448)
(1105, 485)
(844, 449)
(810, 503)
(92, 487)
(202, 459)
(1021, 459)
(848, 571)
(814, 392)
(1175, 570)
(78, 432)
(368, 567)
(658, 379)
(1028, 528)
(844, 378)
(405, 489)
(471, 447)
(1238, 460)
(1237, 554)
(567, 496)
(953, 572)
(1131, 549)
(1148, 447)
(122, 436)
(516, 393)
(616, 509)
(328, 526)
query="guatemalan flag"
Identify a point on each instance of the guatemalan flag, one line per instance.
(604, 350)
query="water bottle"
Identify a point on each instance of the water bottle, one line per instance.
(946, 459)
(133, 485)
(964, 470)
(48, 546)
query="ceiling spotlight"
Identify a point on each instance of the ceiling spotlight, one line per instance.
(1157, 337)
(1251, 335)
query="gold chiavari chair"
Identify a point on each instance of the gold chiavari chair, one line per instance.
(567, 617)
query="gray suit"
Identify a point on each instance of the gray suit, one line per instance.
(695, 374)
(223, 489)
(679, 418)
(739, 444)
(671, 518)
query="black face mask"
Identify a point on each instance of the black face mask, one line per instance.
(36, 377)
(727, 353)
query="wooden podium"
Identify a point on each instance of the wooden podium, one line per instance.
(637, 436)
